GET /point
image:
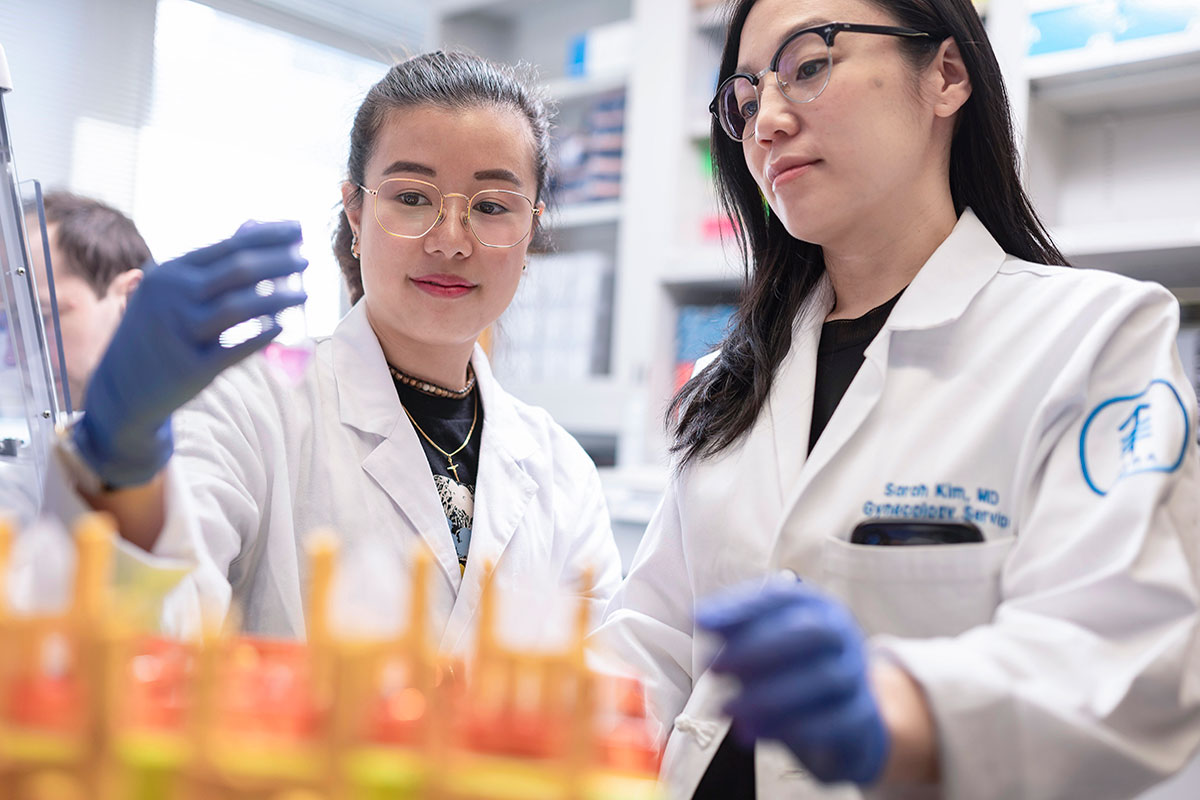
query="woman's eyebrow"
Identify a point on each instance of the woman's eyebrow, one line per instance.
(815, 22)
(410, 166)
(498, 175)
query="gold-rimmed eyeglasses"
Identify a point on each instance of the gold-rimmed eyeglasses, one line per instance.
(410, 208)
(801, 65)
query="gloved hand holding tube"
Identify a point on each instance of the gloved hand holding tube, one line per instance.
(167, 347)
(800, 659)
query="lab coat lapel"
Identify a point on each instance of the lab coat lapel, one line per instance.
(503, 491)
(367, 401)
(861, 396)
(789, 406)
(938, 295)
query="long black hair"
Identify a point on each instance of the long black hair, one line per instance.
(720, 404)
(450, 80)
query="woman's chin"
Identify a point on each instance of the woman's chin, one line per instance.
(442, 336)
(810, 223)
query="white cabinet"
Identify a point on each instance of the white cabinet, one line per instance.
(1112, 147)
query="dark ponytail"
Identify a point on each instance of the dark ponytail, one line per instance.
(719, 405)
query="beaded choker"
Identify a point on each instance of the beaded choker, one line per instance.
(432, 388)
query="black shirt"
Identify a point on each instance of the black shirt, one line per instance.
(730, 774)
(448, 422)
(839, 355)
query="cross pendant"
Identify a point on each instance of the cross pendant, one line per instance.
(450, 466)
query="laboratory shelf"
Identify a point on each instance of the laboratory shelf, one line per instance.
(579, 215)
(716, 264)
(567, 90)
(1166, 251)
(596, 404)
(1108, 76)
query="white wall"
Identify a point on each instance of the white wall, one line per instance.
(244, 114)
(81, 75)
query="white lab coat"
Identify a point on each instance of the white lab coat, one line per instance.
(259, 463)
(1058, 656)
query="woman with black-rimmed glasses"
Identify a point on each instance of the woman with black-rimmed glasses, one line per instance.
(935, 500)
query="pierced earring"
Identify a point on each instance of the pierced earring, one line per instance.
(354, 246)
(525, 267)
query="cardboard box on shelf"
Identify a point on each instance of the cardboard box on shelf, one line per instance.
(588, 159)
(602, 51)
(698, 331)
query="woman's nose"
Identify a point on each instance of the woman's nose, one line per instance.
(451, 233)
(776, 114)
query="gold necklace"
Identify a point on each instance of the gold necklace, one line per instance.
(432, 388)
(450, 465)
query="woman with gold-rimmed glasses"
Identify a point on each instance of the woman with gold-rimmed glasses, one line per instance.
(397, 436)
(936, 501)
(409, 208)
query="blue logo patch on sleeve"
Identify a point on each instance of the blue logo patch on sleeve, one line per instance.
(1144, 432)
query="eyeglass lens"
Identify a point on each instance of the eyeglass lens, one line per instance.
(408, 208)
(804, 65)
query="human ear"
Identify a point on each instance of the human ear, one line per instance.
(353, 209)
(123, 285)
(949, 82)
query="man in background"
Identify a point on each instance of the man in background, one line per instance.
(97, 255)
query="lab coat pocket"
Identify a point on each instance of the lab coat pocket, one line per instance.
(920, 590)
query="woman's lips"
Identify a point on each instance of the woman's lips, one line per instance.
(448, 286)
(790, 174)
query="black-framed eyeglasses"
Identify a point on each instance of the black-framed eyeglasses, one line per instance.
(801, 65)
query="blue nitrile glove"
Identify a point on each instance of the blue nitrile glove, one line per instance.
(800, 659)
(167, 347)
